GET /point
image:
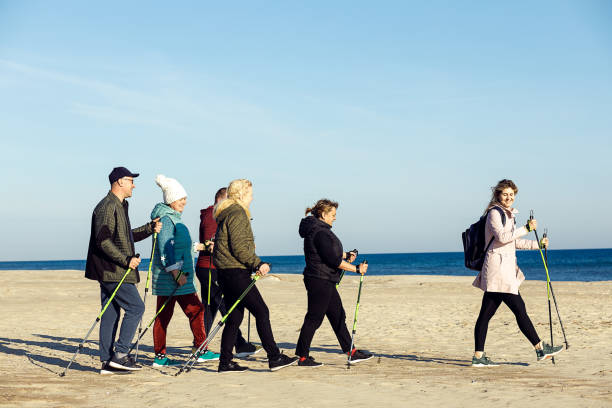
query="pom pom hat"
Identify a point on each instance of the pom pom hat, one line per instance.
(171, 188)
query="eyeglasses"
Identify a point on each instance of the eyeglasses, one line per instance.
(131, 180)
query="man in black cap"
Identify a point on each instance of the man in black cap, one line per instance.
(111, 252)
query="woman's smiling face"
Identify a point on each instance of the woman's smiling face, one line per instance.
(506, 197)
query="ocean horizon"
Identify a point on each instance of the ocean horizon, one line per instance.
(583, 265)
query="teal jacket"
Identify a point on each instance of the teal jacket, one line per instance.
(173, 251)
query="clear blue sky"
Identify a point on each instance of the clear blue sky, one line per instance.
(404, 112)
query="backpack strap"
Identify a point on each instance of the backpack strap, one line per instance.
(503, 217)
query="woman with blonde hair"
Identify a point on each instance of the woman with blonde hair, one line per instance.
(234, 257)
(325, 260)
(501, 277)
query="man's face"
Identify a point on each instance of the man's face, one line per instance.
(127, 185)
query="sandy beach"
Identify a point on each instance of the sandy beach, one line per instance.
(419, 327)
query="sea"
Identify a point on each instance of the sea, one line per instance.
(584, 265)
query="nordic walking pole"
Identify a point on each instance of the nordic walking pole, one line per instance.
(141, 335)
(80, 347)
(194, 356)
(555, 300)
(145, 294)
(550, 288)
(350, 353)
(249, 328)
(356, 252)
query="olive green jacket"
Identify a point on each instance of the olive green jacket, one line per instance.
(234, 243)
(111, 241)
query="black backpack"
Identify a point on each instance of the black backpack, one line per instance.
(474, 241)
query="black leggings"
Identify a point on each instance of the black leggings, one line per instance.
(233, 282)
(490, 303)
(216, 300)
(323, 300)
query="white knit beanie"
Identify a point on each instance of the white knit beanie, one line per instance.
(171, 188)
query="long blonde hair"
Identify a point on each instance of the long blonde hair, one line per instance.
(236, 191)
(497, 190)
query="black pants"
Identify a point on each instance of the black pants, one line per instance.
(490, 303)
(233, 282)
(323, 300)
(216, 300)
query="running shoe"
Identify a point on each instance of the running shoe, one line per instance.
(247, 349)
(358, 356)
(548, 351)
(483, 361)
(281, 361)
(161, 360)
(231, 367)
(308, 362)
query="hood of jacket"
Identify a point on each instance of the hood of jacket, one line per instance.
(161, 210)
(309, 224)
(225, 204)
(230, 208)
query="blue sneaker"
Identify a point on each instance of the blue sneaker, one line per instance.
(207, 356)
(161, 360)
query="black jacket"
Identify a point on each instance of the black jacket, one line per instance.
(322, 249)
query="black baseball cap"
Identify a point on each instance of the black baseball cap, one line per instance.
(120, 172)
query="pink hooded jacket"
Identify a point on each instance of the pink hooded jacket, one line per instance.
(500, 272)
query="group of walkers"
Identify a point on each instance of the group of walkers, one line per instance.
(227, 259)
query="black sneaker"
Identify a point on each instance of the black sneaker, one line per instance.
(108, 370)
(126, 363)
(230, 367)
(359, 356)
(281, 361)
(308, 362)
(247, 349)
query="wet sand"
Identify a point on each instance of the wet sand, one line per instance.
(419, 327)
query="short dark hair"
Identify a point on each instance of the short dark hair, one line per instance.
(220, 193)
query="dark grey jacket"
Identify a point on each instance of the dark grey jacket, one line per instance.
(111, 242)
(234, 243)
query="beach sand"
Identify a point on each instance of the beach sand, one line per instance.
(419, 327)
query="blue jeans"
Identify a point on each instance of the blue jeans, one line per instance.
(128, 299)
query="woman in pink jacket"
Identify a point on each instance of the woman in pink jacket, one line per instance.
(501, 277)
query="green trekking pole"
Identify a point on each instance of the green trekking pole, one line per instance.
(350, 353)
(547, 283)
(552, 292)
(550, 288)
(194, 356)
(108, 302)
(356, 252)
(145, 295)
(141, 335)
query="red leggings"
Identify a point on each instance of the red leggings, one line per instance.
(193, 309)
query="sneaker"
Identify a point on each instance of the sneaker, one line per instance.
(230, 367)
(308, 362)
(125, 363)
(108, 370)
(281, 361)
(161, 360)
(247, 349)
(548, 351)
(483, 361)
(358, 356)
(207, 356)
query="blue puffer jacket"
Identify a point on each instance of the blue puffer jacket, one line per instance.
(173, 251)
